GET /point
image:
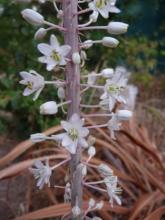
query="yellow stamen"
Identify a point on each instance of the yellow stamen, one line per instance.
(73, 133)
(100, 3)
(56, 56)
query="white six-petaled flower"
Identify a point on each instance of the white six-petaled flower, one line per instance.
(34, 82)
(113, 190)
(113, 90)
(41, 173)
(54, 54)
(102, 7)
(75, 134)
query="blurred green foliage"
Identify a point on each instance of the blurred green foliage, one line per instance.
(138, 52)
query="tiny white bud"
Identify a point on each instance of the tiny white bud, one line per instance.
(91, 203)
(49, 108)
(76, 211)
(38, 137)
(40, 33)
(87, 44)
(83, 169)
(99, 205)
(91, 140)
(110, 42)
(61, 93)
(76, 58)
(123, 115)
(60, 14)
(117, 27)
(107, 73)
(32, 17)
(91, 151)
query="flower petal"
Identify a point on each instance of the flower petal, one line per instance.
(45, 49)
(64, 50)
(54, 42)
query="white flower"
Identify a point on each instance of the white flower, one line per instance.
(113, 190)
(41, 173)
(117, 27)
(40, 33)
(102, 7)
(113, 90)
(67, 194)
(91, 151)
(76, 58)
(54, 54)
(107, 73)
(110, 42)
(38, 137)
(75, 134)
(83, 169)
(32, 17)
(34, 82)
(123, 115)
(91, 203)
(49, 108)
(76, 211)
(61, 93)
(87, 44)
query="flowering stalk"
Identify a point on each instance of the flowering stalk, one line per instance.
(72, 56)
(72, 73)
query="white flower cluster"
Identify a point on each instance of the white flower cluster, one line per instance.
(115, 91)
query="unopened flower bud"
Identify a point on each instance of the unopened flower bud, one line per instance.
(91, 203)
(60, 14)
(49, 108)
(40, 33)
(110, 42)
(99, 205)
(83, 169)
(117, 27)
(107, 73)
(32, 17)
(61, 93)
(91, 151)
(123, 115)
(76, 211)
(91, 140)
(38, 137)
(76, 58)
(87, 44)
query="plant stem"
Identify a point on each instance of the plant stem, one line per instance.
(72, 71)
